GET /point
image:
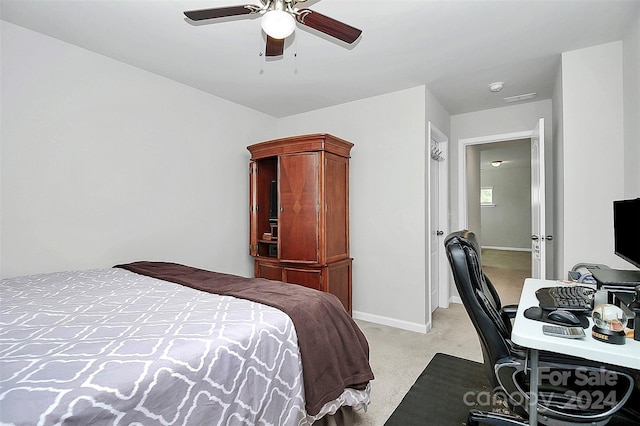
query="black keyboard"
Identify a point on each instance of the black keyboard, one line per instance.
(575, 298)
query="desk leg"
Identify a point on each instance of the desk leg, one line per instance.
(533, 388)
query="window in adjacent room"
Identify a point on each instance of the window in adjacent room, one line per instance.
(486, 196)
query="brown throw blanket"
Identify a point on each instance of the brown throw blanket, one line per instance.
(334, 352)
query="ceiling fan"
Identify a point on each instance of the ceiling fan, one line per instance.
(279, 20)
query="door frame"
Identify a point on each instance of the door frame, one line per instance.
(434, 134)
(538, 199)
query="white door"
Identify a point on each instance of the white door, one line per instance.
(437, 221)
(435, 232)
(538, 232)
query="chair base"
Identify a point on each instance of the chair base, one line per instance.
(478, 418)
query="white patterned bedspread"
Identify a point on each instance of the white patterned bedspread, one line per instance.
(113, 347)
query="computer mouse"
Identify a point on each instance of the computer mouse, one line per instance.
(564, 317)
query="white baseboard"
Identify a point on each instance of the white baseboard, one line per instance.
(391, 322)
(455, 299)
(507, 248)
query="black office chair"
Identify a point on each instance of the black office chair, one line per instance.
(506, 363)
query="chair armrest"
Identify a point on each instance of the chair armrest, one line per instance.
(510, 311)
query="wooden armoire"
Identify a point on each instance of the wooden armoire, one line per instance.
(299, 212)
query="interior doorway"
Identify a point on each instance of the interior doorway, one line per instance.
(516, 231)
(505, 214)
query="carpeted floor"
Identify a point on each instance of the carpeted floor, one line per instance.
(507, 259)
(399, 356)
(507, 270)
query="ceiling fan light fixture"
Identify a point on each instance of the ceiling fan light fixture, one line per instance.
(278, 24)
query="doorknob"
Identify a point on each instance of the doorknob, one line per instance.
(439, 233)
(534, 237)
(549, 238)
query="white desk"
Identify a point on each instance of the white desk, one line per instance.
(528, 333)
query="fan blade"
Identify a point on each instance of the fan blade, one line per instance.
(327, 25)
(219, 12)
(275, 46)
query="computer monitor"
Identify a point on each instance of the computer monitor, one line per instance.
(626, 230)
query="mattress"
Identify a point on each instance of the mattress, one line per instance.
(110, 346)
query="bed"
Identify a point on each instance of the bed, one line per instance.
(156, 343)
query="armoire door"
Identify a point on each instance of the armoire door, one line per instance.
(336, 209)
(253, 209)
(298, 217)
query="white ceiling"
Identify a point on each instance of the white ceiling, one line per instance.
(455, 48)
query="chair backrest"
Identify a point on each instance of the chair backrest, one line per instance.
(479, 297)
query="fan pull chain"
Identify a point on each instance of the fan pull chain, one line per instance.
(262, 55)
(295, 55)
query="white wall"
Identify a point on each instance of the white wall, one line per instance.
(558, 160)
(387, 198)
(105, 163)
(436, 113)
(595, 112)
(631, 95)
(593, 167)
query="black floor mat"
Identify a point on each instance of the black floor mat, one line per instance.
(447, 389)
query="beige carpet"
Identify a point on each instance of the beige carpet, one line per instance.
(506, 259)
(507, 270)
(399, 356)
